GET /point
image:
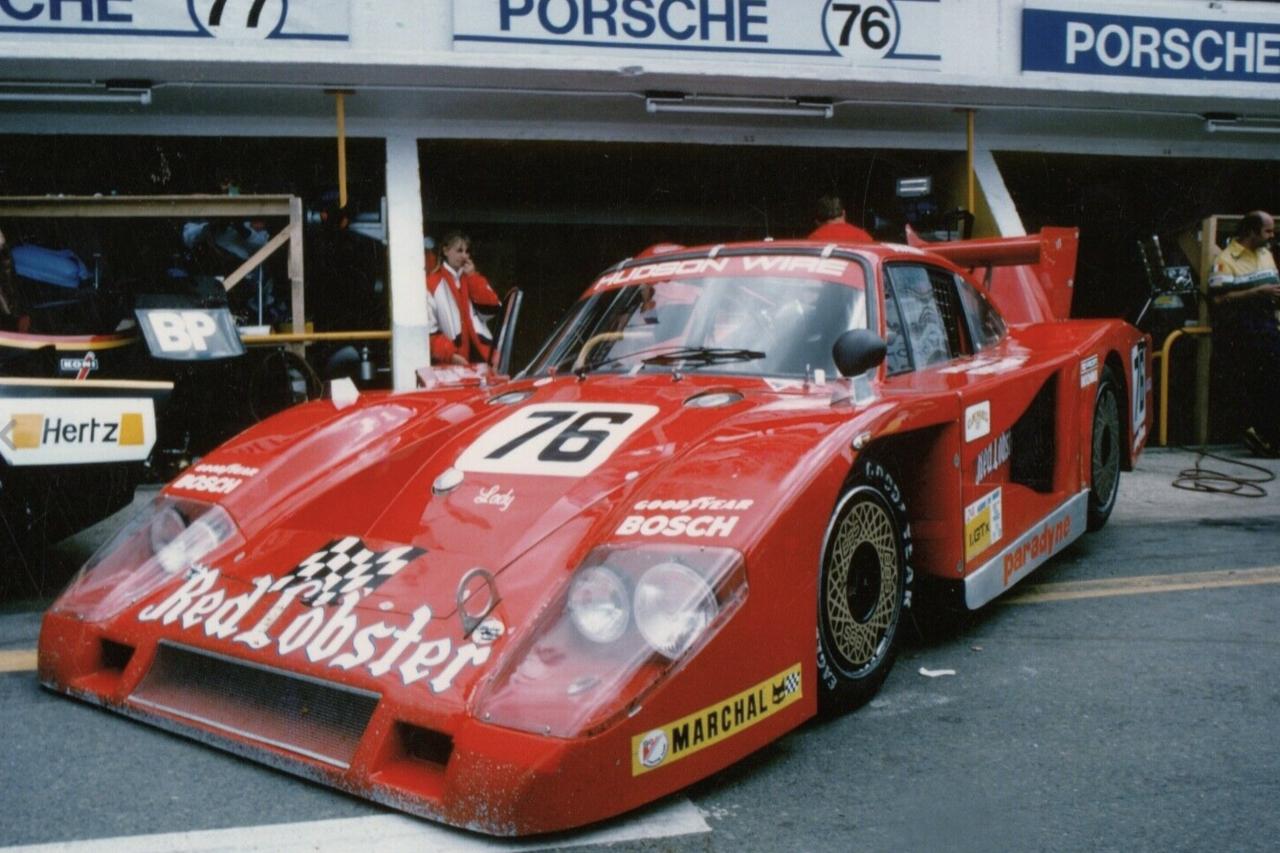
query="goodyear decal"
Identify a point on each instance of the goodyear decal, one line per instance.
(721, 721)
(983, 524)
(64, 431)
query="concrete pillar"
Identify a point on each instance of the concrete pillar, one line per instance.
(409, 309)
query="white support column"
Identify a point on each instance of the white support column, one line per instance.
(997, 194)
(409, 345)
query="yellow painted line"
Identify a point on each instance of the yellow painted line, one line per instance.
(1144, 585)
(18, 660)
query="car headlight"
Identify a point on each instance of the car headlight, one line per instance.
(166, 539)
(673, 606)
(598, 604)
(628, 618)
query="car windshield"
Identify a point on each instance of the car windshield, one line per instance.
(749, 325)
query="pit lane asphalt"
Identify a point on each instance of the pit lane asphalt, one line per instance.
(1136, 720)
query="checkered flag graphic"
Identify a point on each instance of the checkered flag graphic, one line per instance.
(791, 683)
(347, 565)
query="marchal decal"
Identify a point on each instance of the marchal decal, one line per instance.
(701, 729)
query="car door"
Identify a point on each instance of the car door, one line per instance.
(944, 337)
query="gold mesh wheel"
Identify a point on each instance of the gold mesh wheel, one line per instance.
(863, 584)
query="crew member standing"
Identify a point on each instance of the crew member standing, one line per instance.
(1245, 288)
(832, 225)
(459, 335)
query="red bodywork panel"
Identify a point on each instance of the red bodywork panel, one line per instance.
(325, 635)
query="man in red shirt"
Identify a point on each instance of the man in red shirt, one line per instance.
(832, 225)
(459, 335)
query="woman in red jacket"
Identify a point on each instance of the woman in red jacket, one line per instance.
(459, 334)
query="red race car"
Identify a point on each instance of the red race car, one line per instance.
(693, 522)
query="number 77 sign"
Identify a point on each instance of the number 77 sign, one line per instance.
(557, 440)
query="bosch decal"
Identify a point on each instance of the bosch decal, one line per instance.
(701, 729)
(692, 526)
(212, 479)
(336, 635)
(977, 421)
(993, 456)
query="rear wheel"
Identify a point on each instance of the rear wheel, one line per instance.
(1104, 451)
(864, 588)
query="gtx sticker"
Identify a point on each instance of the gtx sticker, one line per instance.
(210, 479)
(993, 456)
(983, 524)
(1088, 371)
(557, 440)
(674, 741)
(61, 431)
(493, 496)
(977, 420)
(342, 637)
(693, 526)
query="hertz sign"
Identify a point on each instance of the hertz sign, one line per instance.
(40, 431)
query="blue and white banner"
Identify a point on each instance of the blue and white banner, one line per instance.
(1130, 42)
(225, 20)
(881, 32)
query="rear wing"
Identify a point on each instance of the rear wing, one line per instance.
(1030, 279)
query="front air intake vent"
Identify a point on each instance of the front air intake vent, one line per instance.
(313, 718)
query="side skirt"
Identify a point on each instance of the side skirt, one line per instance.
(1046, 537)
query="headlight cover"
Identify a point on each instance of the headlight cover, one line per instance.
(163, 541)
(630, 616)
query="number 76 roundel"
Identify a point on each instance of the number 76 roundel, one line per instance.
(557, 440)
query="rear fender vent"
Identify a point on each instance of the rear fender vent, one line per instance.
(1033, 455)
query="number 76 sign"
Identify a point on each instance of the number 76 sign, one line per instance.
(557, 440)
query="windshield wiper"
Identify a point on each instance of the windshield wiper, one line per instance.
(703, 356)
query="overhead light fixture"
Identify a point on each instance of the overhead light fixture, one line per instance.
(732, 105)
(130, 92)
(1241, 124)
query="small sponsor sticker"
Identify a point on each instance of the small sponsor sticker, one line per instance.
(977, 420)
(494, 496)
(211, 479)
(670, 743)
(983, 524)
(1088, 371)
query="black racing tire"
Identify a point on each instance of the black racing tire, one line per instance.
(864, 589)
(1105, 449)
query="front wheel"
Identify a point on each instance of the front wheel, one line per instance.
(1104, 451)
(863, 590)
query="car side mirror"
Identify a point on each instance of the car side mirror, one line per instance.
(857, 351)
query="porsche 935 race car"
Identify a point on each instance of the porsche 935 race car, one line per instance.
(696, 520)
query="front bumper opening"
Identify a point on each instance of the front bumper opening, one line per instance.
(312, 718)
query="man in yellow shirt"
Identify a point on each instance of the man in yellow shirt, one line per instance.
(1245, 289)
